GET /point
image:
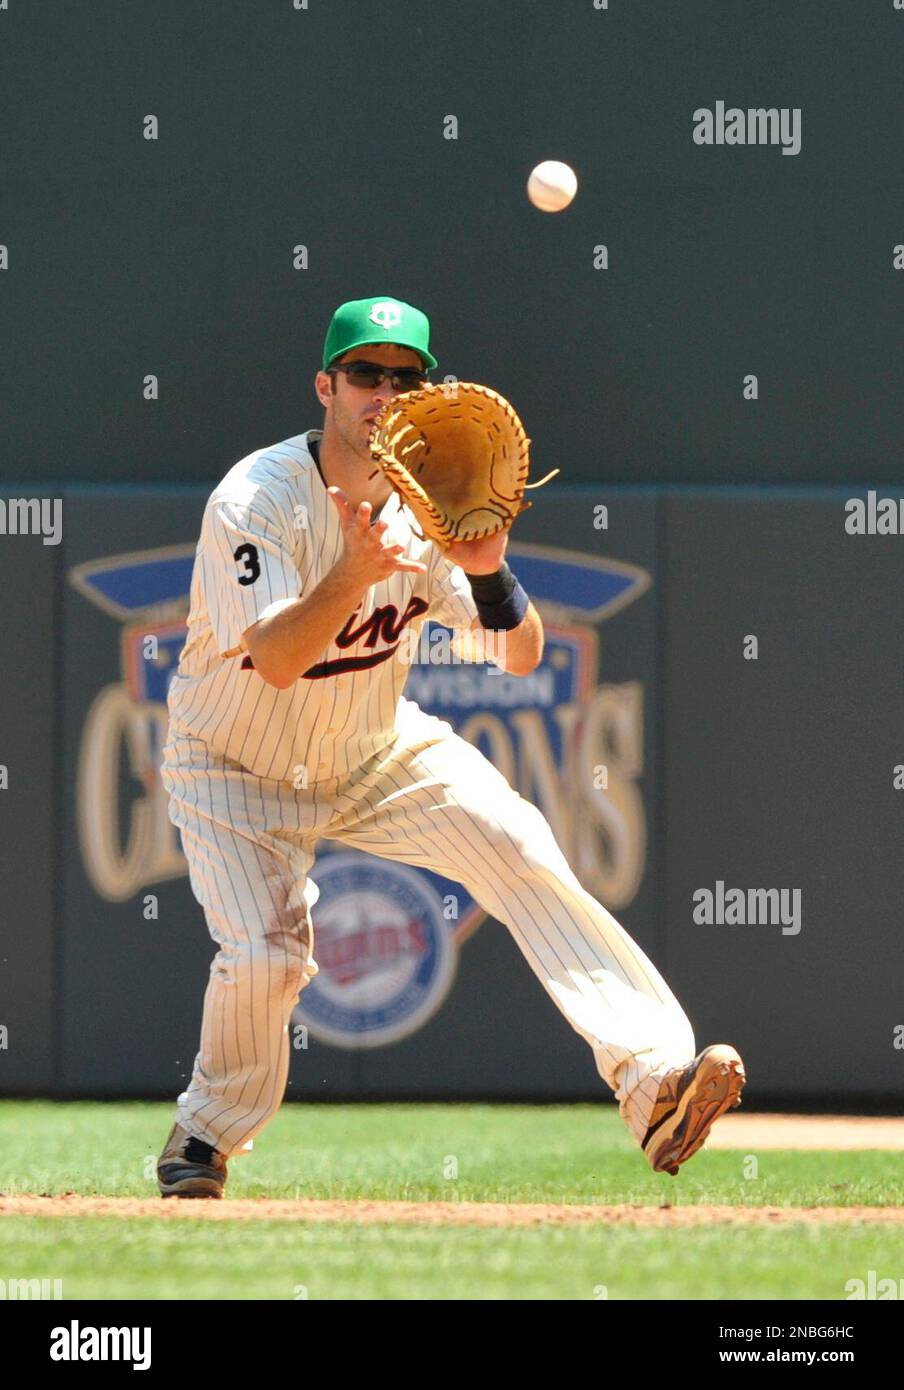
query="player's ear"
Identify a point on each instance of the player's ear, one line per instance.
(324, 385)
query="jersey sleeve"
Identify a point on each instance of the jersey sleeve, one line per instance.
(247, 560)
(451, 600)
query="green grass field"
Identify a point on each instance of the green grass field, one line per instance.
(560, 1154)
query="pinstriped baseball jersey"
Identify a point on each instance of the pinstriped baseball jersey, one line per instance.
(270, 532)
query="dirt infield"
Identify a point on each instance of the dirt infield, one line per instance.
(753, 1132)
(439, 1213)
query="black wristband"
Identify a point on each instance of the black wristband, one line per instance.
(492, 588)
(500, 600)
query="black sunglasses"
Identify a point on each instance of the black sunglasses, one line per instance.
(370, 374)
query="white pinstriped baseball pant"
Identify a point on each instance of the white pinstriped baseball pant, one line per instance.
(431, 800)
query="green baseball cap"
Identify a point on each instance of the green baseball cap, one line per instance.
(380, 319)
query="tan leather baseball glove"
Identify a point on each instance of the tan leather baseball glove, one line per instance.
(457, 455)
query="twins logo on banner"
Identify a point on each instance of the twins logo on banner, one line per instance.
(387, 936)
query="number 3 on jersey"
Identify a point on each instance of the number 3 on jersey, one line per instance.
(248, 554)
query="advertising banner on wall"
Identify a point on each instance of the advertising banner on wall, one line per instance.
(414, 982)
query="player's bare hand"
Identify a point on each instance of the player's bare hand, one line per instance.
(367, 558)
(483, 556)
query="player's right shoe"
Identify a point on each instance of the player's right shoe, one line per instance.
(690, 1101)
(190, 1168)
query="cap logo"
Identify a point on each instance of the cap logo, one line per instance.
(386, 315)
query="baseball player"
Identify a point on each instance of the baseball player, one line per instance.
(288, 724)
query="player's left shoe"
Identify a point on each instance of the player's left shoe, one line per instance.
(690, 1101)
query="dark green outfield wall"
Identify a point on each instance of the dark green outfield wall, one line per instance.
(773, 773)
(323, 127)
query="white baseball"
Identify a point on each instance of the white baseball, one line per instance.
(552, 185)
